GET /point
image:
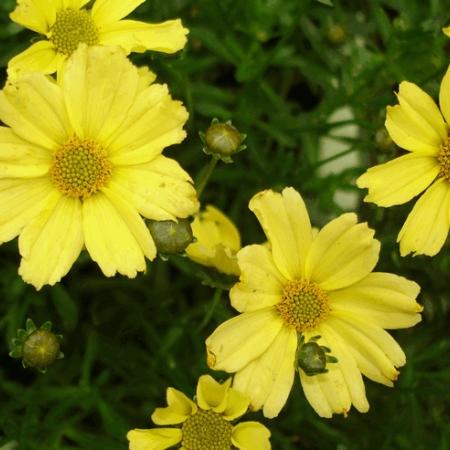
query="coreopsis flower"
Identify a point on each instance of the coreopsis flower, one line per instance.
(204, 424)
(81, 161)
(65, 24)
(217, 241)
(417, 125)
(305, 285)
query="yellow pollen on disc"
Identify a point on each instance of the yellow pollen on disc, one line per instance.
(303, 305)
(71, 28)
(80, 168)
(443, 158)
(206, 430)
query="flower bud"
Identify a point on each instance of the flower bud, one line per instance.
(336, 34)
(312, 358)
(171, 237)
(222, 140)
(38, 347)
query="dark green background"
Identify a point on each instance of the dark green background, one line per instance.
(268, 65)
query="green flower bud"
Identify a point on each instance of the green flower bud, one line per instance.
(38, 347)
(222, 140)
(312, 358)
(171, 237)
(336, 34)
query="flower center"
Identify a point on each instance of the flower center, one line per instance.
(71, 28)
(206, 430)
(80, 168)
(443, 158)
(303, 305)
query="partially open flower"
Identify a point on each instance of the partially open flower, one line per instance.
(217, 241)
(207, 423)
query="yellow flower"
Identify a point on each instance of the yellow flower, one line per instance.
(309, 285)
(417, 125)
(65, 24)
(217, 241)
(204, 424)
(80, 162)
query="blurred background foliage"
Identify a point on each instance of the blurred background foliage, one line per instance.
(308, 83)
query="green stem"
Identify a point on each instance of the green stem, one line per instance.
(205, 175)
(209, 313)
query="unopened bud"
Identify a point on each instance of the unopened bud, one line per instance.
(222, 140)
(312, 358)
(38, 347)
(171, 237)
(336, 34)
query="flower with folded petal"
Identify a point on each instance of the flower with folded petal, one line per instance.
(417, 125)
(307, 285)
(217, 241)
(205, 424)
(81, 162)
(65, 24)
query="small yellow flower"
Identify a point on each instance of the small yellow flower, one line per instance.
(417, 125)
(204, 424)
(217, 241)
(81, 162)
(65, 24)
(305, 285)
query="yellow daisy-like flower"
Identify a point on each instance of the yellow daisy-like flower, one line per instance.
(417, 125)
(81, 160)
(306, 285)
(205, 424)
(66, 24)
(217, 241)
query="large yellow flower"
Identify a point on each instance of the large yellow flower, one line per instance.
(306, 285)
(217, 241)
(417, 125)
(80, 160)
(205, 424)
(65, 24)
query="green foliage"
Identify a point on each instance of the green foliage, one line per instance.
(275, 70)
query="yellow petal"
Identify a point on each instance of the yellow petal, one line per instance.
(39, 57)
(241, 339)
(371, 360)
(211, 394)
(342, 253)
(423, 111)
(154, 122)
(51, 243)
(444, 96)
(237, 405)
(426, 227)
(261, 284)
(37, 15)
(410, 134)
(100, 85)
(179, 408)
(135, 36)
(106, 11)
(154, 439)
(251, 436)
(267, 380)
(21, 200)
(109, 239)
(146, 77)
(399, 180)
(285, 222)
(19, 158)
(387, 300)
(33, 107)
(159, 190)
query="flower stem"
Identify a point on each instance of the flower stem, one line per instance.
(206, 173)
